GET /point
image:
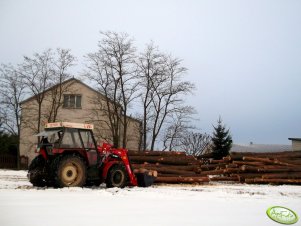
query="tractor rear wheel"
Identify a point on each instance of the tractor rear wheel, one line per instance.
(36, 171)
(117, 176)
(71, 172)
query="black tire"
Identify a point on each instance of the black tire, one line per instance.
(117, 176)
(70, 172)
(92, 183)
(36, 172)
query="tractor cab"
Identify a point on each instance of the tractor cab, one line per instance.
(64, 137)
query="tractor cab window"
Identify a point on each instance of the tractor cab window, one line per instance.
(50, 137)
(87, 139)
(71, 139)
(55, 137)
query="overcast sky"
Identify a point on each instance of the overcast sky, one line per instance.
(243, 56)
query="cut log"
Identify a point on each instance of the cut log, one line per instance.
(153, 173)
(178, 175)
(224, 178)
(243, 176)
(278, 167)
(172, 171)
(156, 153)
(206, 156)
(275, 170)
(174, 160)
(277, 181)
(248, 163)
(176, 180)
(231, 165)
(175, 170)
(213, 166)
(232, 170)
(217, 161)
(194, 168)
(247, 175)
(293, 161)
(227, 158)
(212, 172)
(250, 180)
(265, 160)
(249, 168)
(296, 175)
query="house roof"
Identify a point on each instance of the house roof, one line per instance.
(68, 80)
(295, 139)
(82, 83)
(260, 148)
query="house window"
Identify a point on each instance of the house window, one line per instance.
(72, 101)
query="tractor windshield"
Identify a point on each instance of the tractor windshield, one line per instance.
(50, 136)
(71, 139)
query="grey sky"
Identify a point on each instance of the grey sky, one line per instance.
(243, 56)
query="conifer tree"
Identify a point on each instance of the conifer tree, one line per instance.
(222, 140)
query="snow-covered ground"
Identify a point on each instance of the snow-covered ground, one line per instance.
(204, 205)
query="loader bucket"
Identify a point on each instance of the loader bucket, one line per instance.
(144, 180)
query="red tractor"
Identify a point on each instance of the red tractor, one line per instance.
(69, 157)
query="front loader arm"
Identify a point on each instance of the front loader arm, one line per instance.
(122, 153)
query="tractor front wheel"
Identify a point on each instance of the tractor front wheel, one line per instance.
(36, 172)
(71, 172)
(117, 177)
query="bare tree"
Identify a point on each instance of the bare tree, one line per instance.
(151, 65)
(37, 73)
(167, 97)
(112, 68)
(61, 62)
(179, 126)
(40, 72)
(12, 91)
(194, 143)
(103, 114)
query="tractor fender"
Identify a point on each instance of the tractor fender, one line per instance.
(107, 167)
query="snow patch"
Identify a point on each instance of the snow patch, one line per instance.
(213, 204)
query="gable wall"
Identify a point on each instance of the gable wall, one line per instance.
(89, 113)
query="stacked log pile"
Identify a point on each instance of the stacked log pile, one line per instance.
(258, 168)
(172, 167)
(248, 167)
